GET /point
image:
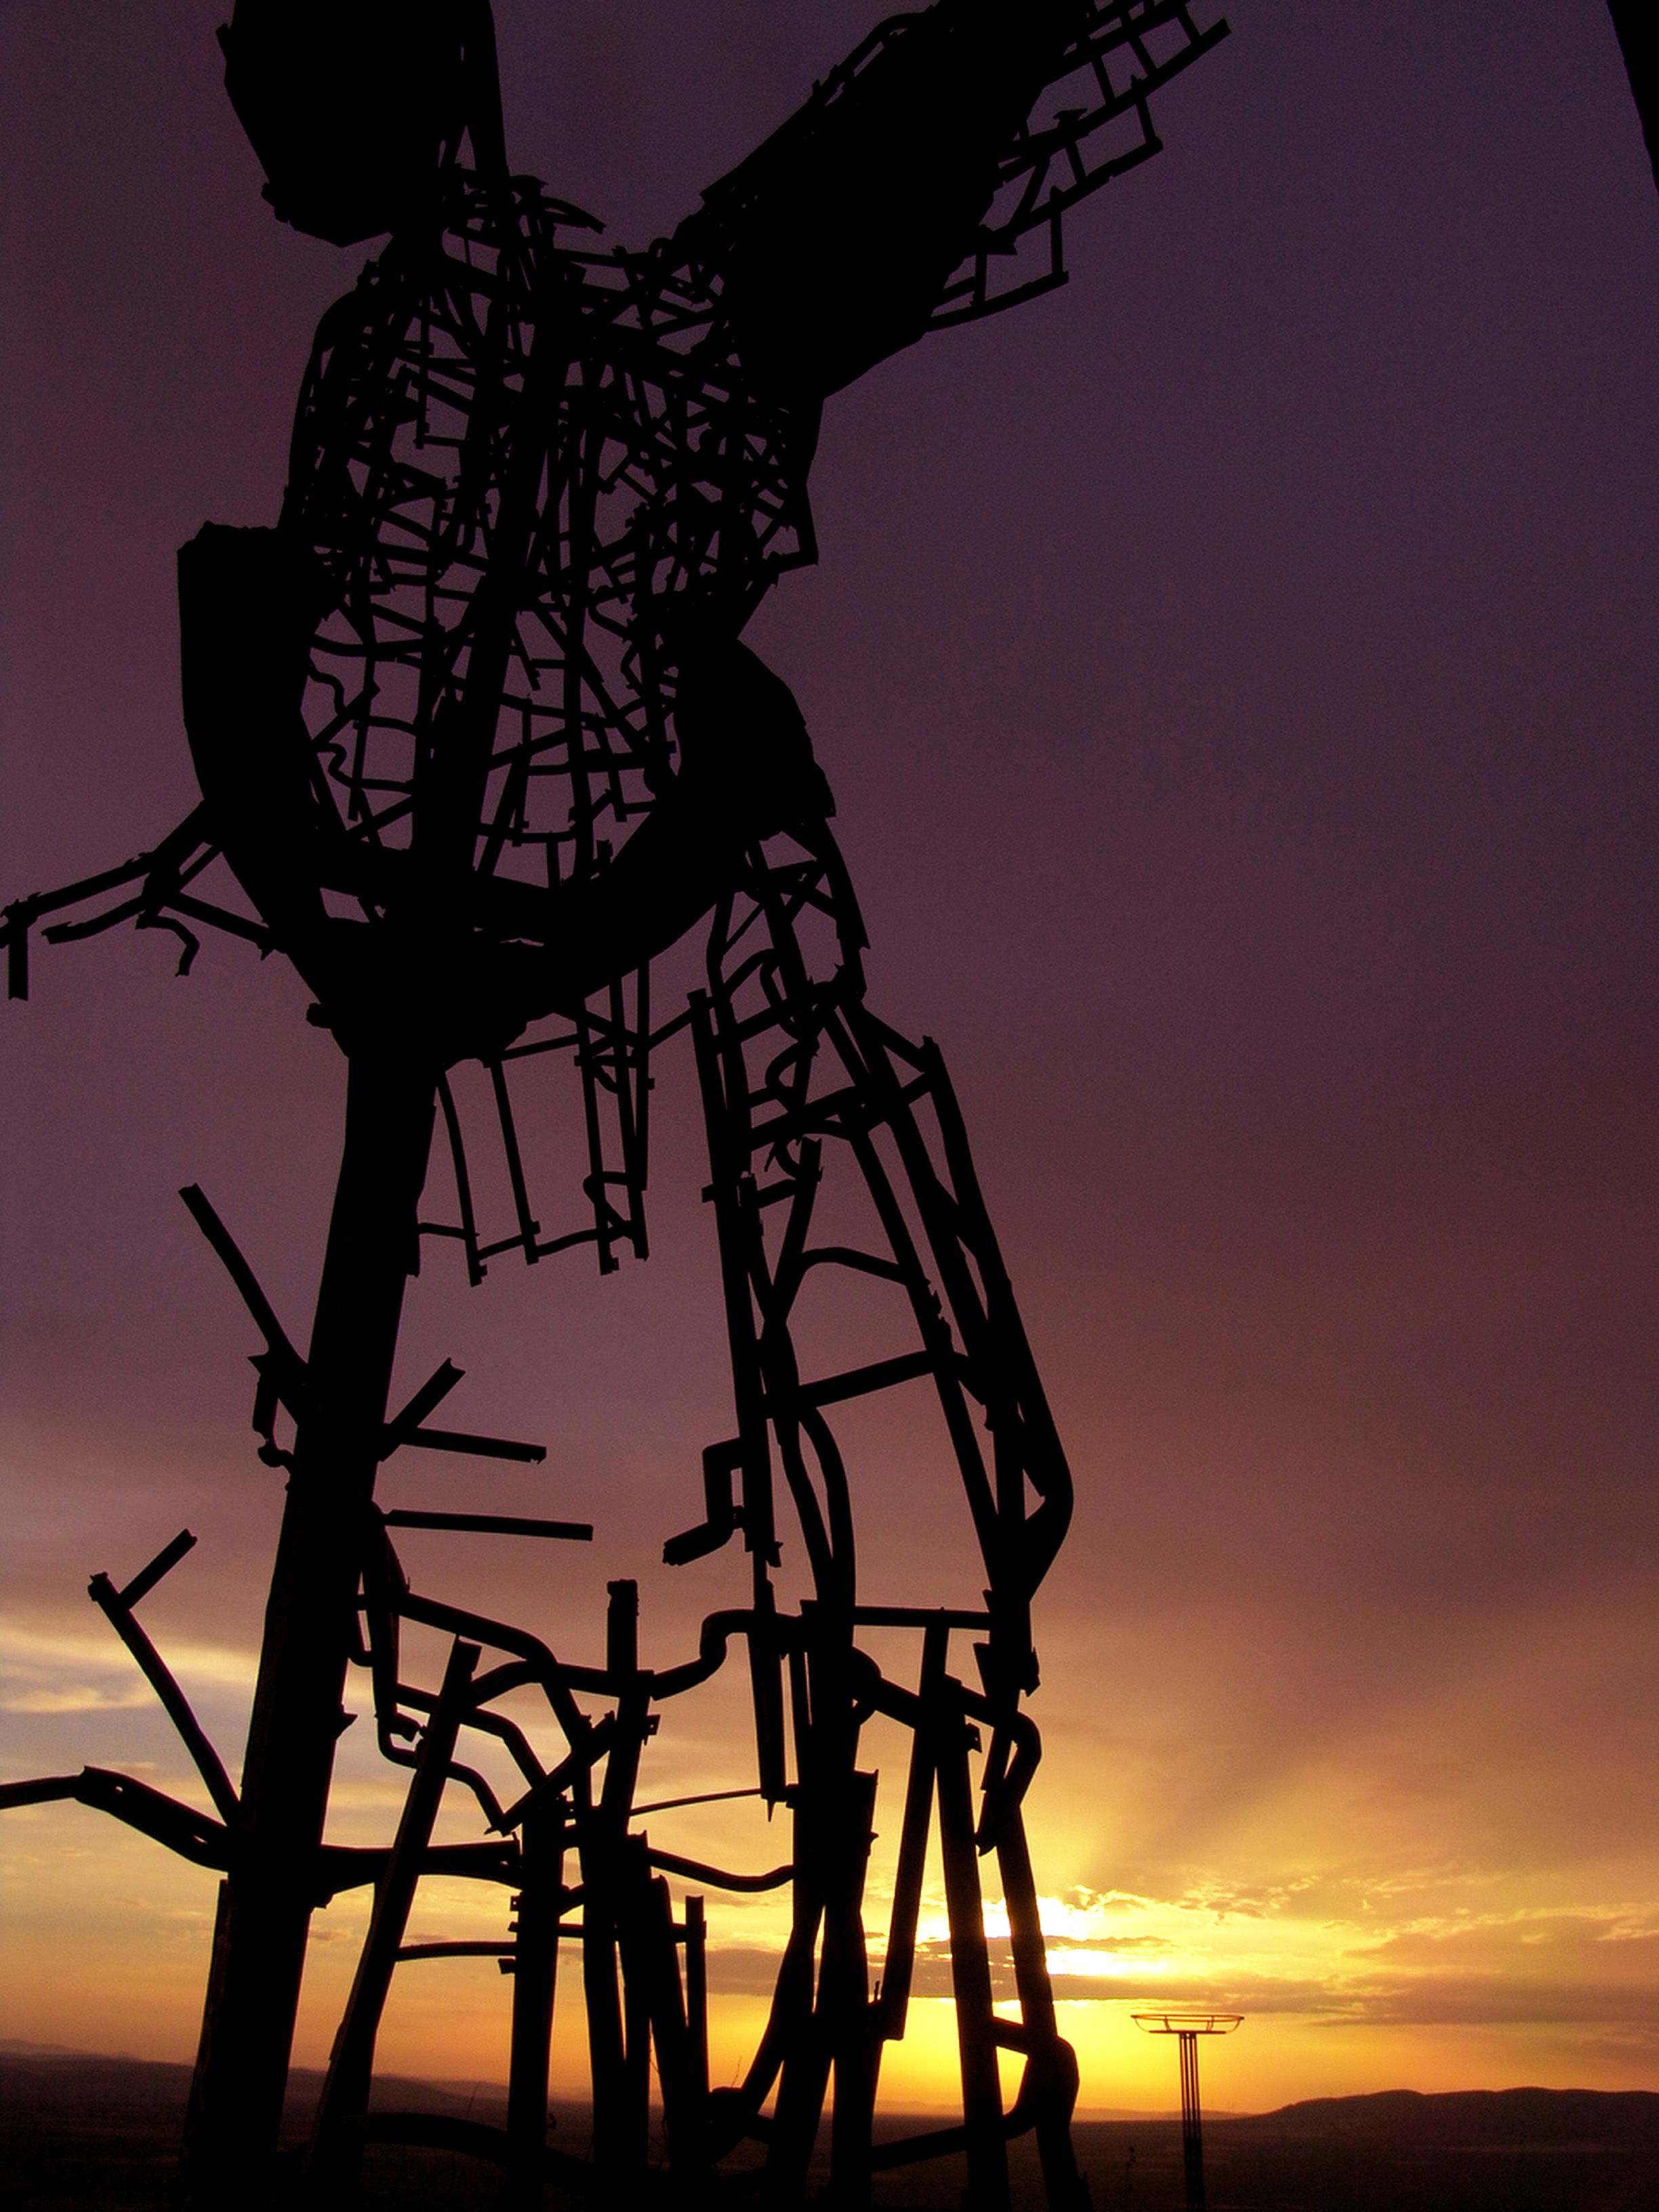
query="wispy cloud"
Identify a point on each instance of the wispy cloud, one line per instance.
(1269, 1954)
(61, 1670)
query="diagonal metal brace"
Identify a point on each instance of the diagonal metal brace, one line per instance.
(409, 1426)
(280, 1370)
(117, 1606)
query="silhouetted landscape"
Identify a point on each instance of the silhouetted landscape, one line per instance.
(79, 2132)
(1234, 695)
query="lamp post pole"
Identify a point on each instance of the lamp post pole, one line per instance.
(1187, 2027)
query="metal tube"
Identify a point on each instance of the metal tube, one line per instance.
(247, 2029)
(535, 1967)
(351, 2063)
(1192, 2125)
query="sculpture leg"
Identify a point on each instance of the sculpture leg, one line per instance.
(970, 1964)
(845, 1994)
(1053, 2062)
(336, 2137)
(805, 1092)
(247, 2030)
(535, 1967)
(835, 2037)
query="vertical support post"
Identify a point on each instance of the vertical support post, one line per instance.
(1192, 2124)
(804, 2073)
(831, 1844)
(247, 2030)
(696, 1995)
(970, 1961)
(1052, 2057)
(535, 1968)
(766, 1691)
(215, 1982)
(618, 2027)
(335, 2142)
(844, 1994)
(601, 1998)
(636, 2044)
(650, 1966)
(899, 1969)
(1633, 23)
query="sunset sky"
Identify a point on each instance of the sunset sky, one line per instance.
(1236, 674)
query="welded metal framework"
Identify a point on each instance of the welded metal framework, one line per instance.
(477, 741)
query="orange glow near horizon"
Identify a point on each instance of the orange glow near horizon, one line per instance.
(1236, 672)
(109, 1938)
(1358, 1927)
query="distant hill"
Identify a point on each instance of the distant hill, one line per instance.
(1475, 2116)
(1468, 2150)
(81, 2133)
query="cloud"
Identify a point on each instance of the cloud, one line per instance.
(61, 1671)
(1580, 1967)
(52, 1652)
(72, 1697)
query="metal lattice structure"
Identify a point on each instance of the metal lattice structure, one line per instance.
(477, 740)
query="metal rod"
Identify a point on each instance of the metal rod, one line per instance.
(495, 1524)
(112, 1603)
(535, 1969)
(1191, 2123)
(1051, 2067)
(970, 1961)
(309, 1634)
(335, 2142)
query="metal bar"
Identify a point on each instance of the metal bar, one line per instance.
(606, 2050)
(899, 1967)
(495, 1524)
(970, 1962)
(748, 1389)
(163, 1563)
(460, 1950)
(426, 1400)
(113, 1605)
(529, 1229)
(844, 1996)
(917, 1616)
(1639, 42)
(859, 1381)
(310, 1630)
(535, 1969)
(192, 1834)
(1192, 2124)
(230, 1254)
(469, 1228)
(702, 1798)
(696, 1993)
(801, 2059)
(685, 2094)
(595, 1133)
(455, 1440)
(1051, 2072)
(334, 2143)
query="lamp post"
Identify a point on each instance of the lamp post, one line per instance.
(1187, 2026)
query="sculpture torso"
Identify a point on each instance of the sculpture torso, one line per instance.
(514, 454)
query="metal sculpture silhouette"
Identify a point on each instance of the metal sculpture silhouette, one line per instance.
(1639, 43)
(477, 737)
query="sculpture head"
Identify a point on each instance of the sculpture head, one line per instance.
(356, 108)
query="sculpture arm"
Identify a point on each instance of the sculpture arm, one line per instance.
(877, 211)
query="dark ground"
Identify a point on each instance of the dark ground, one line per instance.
(78, 2133)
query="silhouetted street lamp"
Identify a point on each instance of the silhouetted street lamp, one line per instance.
(1188, 2027)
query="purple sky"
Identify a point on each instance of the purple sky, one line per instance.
(1236, 673)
